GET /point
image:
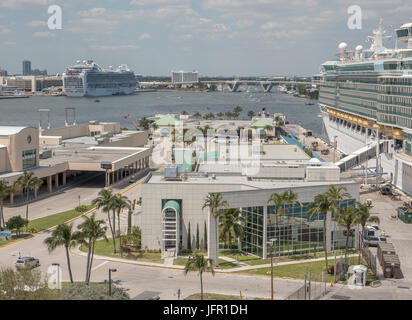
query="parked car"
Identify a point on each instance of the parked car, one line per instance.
(27, 262)
(373, 241)
(374, 231)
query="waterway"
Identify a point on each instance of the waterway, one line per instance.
(24, 112)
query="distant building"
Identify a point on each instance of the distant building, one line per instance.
(31, 83)
(37, 72)
(3, 73)
(185, 76)
(26, 68)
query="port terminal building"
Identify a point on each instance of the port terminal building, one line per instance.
(60, 156)
(172, 203)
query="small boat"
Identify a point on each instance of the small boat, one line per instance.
(97, 100)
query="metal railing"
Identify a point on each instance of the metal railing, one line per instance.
(313, 289)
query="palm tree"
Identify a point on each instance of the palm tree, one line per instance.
(63, 235)
(106, 202)
(90, 231)
(346, 218)
(231, 225)
(363, 215)
(251, 114)
(220, 114)
(200, 264)
(120, 203)
(322, 204)
(4, 192)
(215, 203)
(280, 200)
(28, 182)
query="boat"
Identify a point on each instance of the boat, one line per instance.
(366, 96)
(87, 78)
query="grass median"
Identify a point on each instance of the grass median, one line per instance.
(104, 248)
(55, 219)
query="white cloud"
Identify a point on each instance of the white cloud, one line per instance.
(24, 3)
(9, 43)
(245, 23)
(185, 37)
(157, 2)
(114, 48)
(144, 36)
(44, 34)
(4, 30)
(36, 23)
(94, 12)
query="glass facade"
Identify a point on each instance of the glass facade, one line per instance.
(293, 232)
(29, 159)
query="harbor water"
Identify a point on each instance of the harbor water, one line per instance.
(24, 112)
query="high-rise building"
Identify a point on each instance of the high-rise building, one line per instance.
(3, 73)
(185, 76)
(26, 68)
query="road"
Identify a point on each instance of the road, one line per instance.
(139, 280)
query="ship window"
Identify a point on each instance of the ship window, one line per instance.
(402, 33)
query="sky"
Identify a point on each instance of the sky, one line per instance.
(215, 37)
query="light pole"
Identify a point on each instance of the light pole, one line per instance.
(271, 267)
(79, 200)
(110, 280)
(336, 147)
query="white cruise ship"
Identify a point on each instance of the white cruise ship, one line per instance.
(88, 79)
(366, 95)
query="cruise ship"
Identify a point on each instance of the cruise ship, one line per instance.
(366, 96)
(88, 79)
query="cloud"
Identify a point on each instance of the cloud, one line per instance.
(36, 23)
(24, 3)
(99, 21)
(4, 30)
(94, 12)
(245, 23)
(185, 37)
(157, 2)
(144, 36)
(44, 34)
(114, 48)
(9, 43)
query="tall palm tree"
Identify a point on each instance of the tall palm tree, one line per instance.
(4, 192)
(200, 264)
(215, 203)
(28, 182)
(120, 203)
(251, 114)
(63, 235)
(231, 225)
(106, 202)
(323, 203)
(363, 215)
(280, 200)
(346, 218)
(90, 231)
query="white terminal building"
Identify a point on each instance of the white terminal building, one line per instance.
(185, 76)
(172, 200)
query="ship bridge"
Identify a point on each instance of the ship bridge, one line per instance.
(363, 155)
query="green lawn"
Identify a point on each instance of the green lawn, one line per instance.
(104, 248)
(14, 238)
(298, 271)
(212, 296)
(223, 264)
(54, 219)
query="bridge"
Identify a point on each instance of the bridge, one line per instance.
(232, 85)
(363, 155)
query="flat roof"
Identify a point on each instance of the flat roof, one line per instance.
(9, 130)
(242, 181)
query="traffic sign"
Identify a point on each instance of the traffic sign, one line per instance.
(5, 234)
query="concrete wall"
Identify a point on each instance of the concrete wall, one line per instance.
(50, 140)
(4, 160)
(19, 143)
(132, 139)
(68, 132)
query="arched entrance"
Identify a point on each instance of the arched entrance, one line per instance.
(171, 227)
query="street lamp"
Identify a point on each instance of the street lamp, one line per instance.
(110, 280)
(271, 241)
(336, 147)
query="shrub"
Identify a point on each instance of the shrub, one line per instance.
(82, 209)
(16, 223)
(93, 291)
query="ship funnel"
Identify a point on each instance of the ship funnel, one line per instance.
(342, 49)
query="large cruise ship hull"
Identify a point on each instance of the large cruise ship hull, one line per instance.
(349, 140)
